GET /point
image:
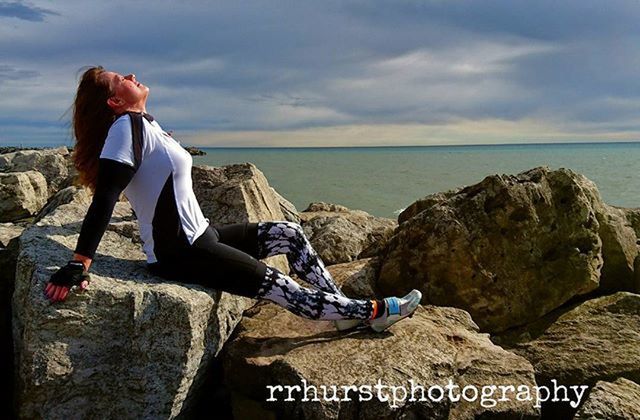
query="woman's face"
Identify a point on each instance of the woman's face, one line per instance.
(127, 93)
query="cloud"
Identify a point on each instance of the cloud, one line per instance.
(23, 11)
(291, 66)
(11, 73)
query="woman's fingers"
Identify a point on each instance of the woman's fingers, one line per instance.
(58, 293)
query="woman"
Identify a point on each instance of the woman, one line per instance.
(179, 243)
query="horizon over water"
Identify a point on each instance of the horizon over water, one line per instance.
(384, 180)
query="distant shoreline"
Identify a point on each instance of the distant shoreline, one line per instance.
(423, 146)
(22, 146)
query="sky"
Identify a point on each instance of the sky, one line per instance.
(333, 73)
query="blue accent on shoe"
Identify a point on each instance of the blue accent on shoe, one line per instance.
(393, 305)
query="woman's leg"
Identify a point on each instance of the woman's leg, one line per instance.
(217, 265)
(310, 303)
(282, 237)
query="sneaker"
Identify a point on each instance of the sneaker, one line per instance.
(347, 324)
(396, 309)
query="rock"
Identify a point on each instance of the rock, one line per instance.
(65, 196)
(11, 149)
(356, 278)
(633, 216)
(341, 235)
(237, 194)
(194, 151)
(596, 340)
(22, 194)
(619, 251)
(617, 400)
(8, 231)
(275, 347)
(288, 210)
(508, 250)
(129, 344)
(54, 164)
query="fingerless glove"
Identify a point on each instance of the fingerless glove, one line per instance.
(72, 274)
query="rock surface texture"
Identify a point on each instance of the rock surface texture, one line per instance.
(55, 164)
(510, 248)
(22, 194)
(612, 400)
(595, 341)
(274, 347)
(341, 235)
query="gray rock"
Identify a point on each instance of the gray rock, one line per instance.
(274, 347)
(22, 194)
(616, 400)
(129, 345)
(508, 250)
(64, 196)
(54, 164)
(341, 235)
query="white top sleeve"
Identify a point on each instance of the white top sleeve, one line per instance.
(119, 143)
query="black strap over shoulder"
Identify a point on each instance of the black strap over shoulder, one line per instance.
(137, 133)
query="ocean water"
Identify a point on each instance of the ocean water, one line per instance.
(384, 180)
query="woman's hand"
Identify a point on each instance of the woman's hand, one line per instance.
(61, 282)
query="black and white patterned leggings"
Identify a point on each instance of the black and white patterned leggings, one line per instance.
(227, 258)
(326, 301)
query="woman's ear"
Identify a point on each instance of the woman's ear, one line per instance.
(114, 102)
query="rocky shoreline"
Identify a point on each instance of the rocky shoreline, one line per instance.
(528, 280)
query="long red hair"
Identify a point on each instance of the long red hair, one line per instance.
(91, 120)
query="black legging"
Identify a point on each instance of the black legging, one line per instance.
(223, 257)
(227, 258)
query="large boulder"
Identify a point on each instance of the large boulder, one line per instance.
(435, 346)
(341, 235)
(238, 194)
(54, 164)
(612, 400)
(235, 193)
(510, 248)
(130, 344)
(594, 341)
(22, 194)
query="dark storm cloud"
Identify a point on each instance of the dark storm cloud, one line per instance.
(23, 11)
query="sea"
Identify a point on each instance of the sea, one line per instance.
(383, 181)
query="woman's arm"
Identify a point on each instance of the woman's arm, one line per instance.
(113, 177)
